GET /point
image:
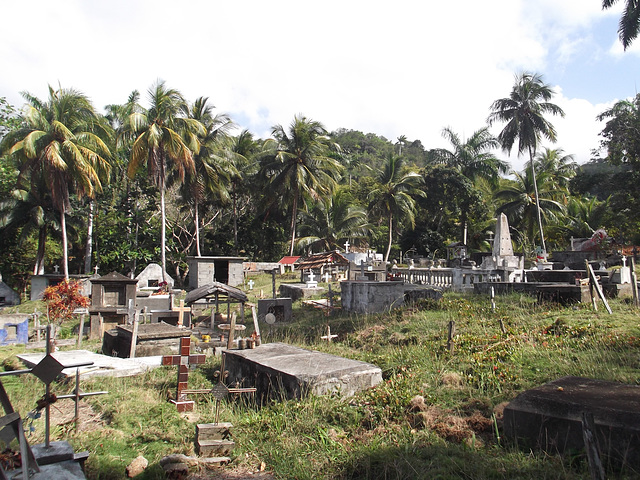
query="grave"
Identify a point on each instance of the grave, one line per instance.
(110, 299)
(8, 296)
(549, 418)
(375, 297)
(151, 277)
(206, 270)
(296, 291)
(279, 370)
(14, 328)
(151, 339)
(40, 282)
(280, 307)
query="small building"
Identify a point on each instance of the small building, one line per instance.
(288, 263)
(110, 295)
(333, 263)
(8, 296)
(206, 270)
(40, 282)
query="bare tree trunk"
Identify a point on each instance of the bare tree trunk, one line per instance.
(197, 222)
(89, 245)
(38, 268)
(163, 232)
(535, 189)
(235, 220)
(386, 257)
(65, 246)
(294, 211)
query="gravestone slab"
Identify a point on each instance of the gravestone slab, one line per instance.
(296, 291)
(279, 370)
(549, 418)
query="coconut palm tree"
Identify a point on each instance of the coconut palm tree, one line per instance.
(629, 22)
(163, 139)
(392, 197)
(329, 223)
(517, 199)
(473, 159)
(523, 111)
(300, 167)
(61, 143)
(212, 168)
(561, 167)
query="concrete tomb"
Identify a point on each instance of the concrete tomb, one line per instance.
(110, 301)
(279, 370)
(151, 339)
(206, 270)
(280, 307)
(549, 418)
(14, 328)
(151, 277)
(375, 297)
(8, 296)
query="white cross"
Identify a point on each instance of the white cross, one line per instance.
(346, 246)
(624, 261)
(56, 268)
(311, 276)
(251, 283)
(327, 277)
(95, 269)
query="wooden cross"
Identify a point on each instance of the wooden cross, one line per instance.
(184, 360)
(327, 277)
(328, 337)
(181, 311)
(251, 283)
(220, 390)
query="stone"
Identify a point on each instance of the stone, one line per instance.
(217, 448)
(376, 297)
(278, 369)
(502, 245)
(280, 307)
(296, 291)
(549, 418)
(137, 466)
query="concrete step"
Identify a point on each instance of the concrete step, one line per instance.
(214, 448)
(213, 431)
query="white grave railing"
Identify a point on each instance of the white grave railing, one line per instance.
(455, 278)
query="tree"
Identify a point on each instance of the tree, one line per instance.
(212, 169)
(300, 167)
(330, 222)
(392, 196)
(61, 146)
(473, 159)
(629, 22)
(517, 199)
(162, 135)
(561, 167)
(523, 111)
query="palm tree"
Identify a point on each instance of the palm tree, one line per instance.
(473, 159)
(561, 167)
(212, 169)
(392, 197)
(61, 144)
(328, 223)
(162, 135)
(629, 22)
(300, 167)
(523, 111)
(517, 199)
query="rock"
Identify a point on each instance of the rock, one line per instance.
(137, 466)
(176, 471)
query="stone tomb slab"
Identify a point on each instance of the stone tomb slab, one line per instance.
(279, 370)
(549, 418)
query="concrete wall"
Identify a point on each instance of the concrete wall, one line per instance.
(375, 297)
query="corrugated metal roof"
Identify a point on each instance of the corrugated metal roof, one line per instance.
(289, 260)
(322, 259)
(212, 289)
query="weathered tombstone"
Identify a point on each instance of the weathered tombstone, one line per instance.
(110, 306)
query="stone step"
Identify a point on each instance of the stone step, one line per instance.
(213, 431)
(214, 448)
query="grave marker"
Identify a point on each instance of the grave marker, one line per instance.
(183, 361)
(181, 309)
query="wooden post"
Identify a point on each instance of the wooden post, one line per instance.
(273, 282)
(80, 330)
(232, 328)
(451, 333)
(493, 298)
(593, 280)
(591, 446)
(254, 314)
(134, 336)
(634, 283)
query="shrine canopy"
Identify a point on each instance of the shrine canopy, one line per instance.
(215, 290)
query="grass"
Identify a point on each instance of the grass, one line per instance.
(435, 415)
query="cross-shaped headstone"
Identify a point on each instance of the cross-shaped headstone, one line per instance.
(251, 284)
(346, 246)
(95, 269)
(56, 268)
(328, 337)
(181, 311)
(311, 276)
(327, 277)
(184, 360)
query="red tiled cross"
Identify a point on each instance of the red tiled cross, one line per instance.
(184, 360)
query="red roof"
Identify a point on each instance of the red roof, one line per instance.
(288, 260)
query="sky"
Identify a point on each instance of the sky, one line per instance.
(396, 68)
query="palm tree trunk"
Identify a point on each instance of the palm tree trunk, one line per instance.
(235, 219)
(197, 222)
(89, 245)
(535, 189)
(38, 268)
(386, 257)
(294, 212)
(65, 253)
(163, 232)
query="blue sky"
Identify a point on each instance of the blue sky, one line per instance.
(392, 68)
